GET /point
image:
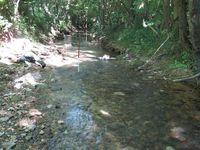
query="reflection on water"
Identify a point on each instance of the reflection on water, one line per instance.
(79, 120)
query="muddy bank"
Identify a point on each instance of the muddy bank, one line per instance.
(111, 46)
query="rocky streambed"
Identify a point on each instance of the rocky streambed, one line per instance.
(88, 103)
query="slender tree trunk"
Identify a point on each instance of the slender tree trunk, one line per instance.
(194, 24)
(166, 14)
(181, 24)
(16, 6)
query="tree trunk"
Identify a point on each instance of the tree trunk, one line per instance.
(194, 24)
(180, 17)
(183, 25)
(16, 6)
(166, 14)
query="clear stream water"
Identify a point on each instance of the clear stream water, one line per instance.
(107, 105)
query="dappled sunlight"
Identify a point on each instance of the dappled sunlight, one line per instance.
(177, 133)
(70, 57)
(55, 55)
(27, 79)
(26, 122)
(10, 52)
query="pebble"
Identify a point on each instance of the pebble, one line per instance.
(119, 93)
(150, 77)
(65, 132)
(2, 133)
(49, 106)
(162, 91)
(42, 126)
(169, 148)
(34, 112)
(23, 134)
(11, 109)
(60, 122)
(29, 137)
(41, 132)
(3, 104)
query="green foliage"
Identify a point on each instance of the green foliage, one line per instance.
(184, 61)
(143, 41)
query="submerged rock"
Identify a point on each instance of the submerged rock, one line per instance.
(28, 137)
(119, 93)
(4, 119)
(9, 145)
(2, 133)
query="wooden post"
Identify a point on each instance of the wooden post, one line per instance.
(78, 45)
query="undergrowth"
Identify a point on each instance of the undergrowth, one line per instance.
(144, 42)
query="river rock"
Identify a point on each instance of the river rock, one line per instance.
(2, 133)
(9, 145)
(41, 132)
(11, 109)
(28, 137)
(23, 134)
(34, 112)
(169, 148)
(42, 126)
(60, 122)
(66, 132)
(119, 93)
(49, 106)
(30, 127)
(4, 119)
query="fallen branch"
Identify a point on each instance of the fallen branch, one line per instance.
(187, 78)
(154, 53)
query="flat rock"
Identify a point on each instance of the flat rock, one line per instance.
(34, 112)
(4, 119)
(119, 93)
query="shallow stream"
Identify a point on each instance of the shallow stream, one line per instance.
(107, 105)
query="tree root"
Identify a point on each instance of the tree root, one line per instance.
(187, 78)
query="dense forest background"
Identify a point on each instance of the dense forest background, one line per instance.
(139, 25)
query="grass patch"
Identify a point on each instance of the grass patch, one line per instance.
(183, 61)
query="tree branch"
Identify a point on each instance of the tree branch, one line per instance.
(187, 78)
